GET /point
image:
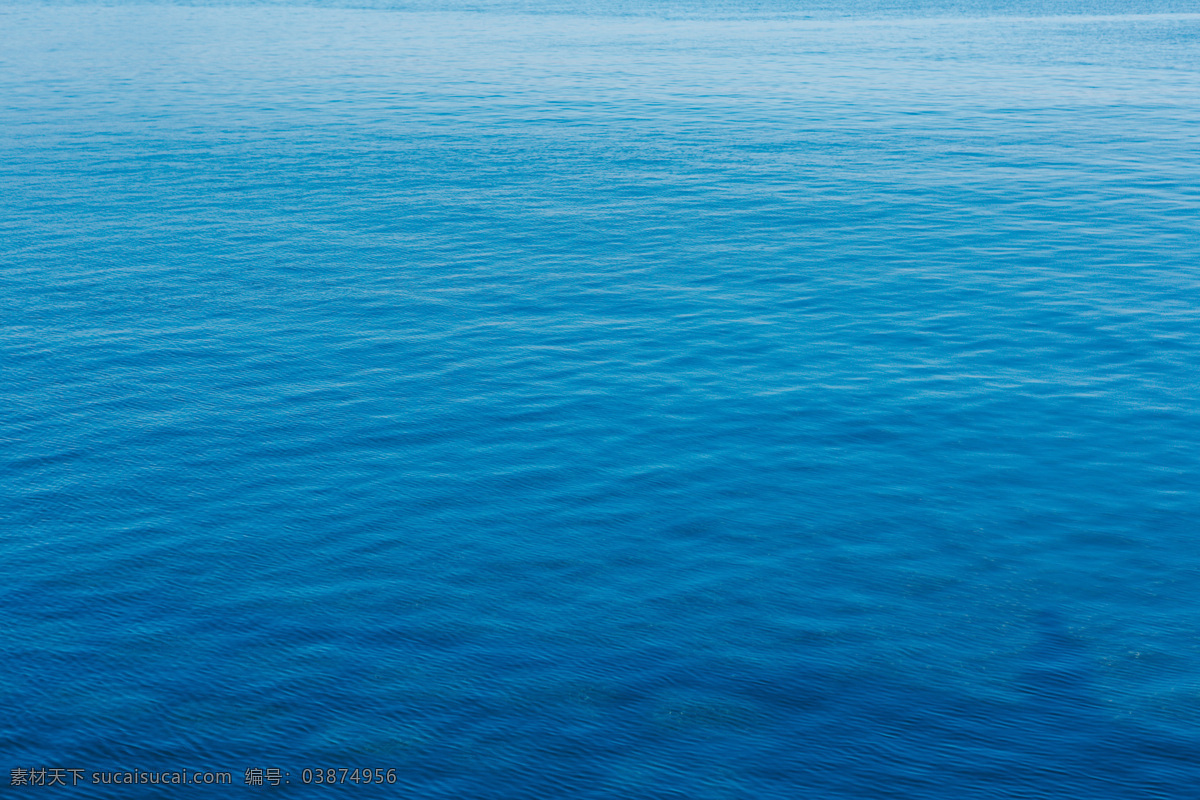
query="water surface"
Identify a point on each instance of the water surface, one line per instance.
(598, 400)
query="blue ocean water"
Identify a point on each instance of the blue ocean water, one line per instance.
(603, 400)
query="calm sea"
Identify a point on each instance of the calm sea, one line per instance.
(699, 400)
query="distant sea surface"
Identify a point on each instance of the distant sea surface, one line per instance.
(712, 401)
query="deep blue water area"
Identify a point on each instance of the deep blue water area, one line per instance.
(591, 400)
